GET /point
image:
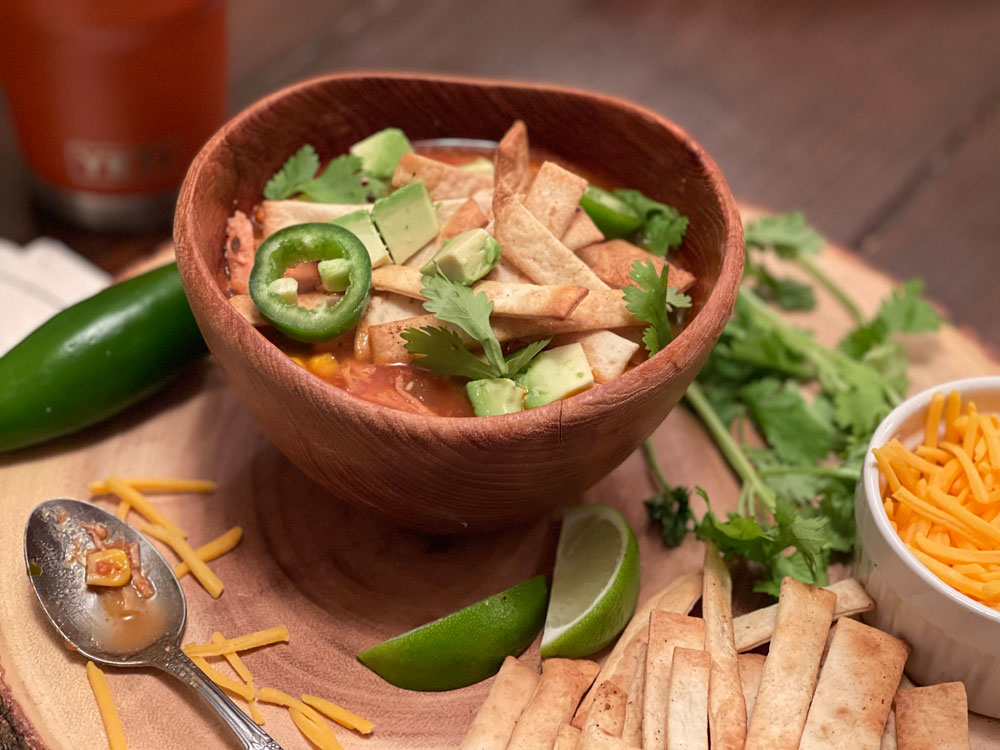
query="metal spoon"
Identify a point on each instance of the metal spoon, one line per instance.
(55, 547)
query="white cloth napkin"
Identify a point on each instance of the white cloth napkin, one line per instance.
(39, 280)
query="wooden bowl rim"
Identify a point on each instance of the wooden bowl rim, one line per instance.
(199, 280)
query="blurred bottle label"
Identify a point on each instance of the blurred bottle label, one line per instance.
(111, 100)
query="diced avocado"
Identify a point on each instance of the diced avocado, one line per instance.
(495, 396)
(406, 219)
(479, 164)
(381, 151)
(359, 223)
(335, 274)
(555, 374)
(466, 257)
(286, 288)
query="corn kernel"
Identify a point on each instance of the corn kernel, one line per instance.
(108, 567)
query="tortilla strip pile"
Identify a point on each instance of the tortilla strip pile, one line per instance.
(818, 686)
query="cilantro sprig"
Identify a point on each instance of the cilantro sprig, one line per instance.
(795, 508)
(443, 350)
(662, 228)
(652, 300)
(343, 180)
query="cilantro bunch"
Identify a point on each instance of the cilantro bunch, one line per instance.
(443, 351)
(795, 507)
(343, 180)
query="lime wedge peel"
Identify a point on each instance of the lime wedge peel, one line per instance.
(595, 584)
(466, 646)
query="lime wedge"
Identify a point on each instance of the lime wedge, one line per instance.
(464, 647)
(595, 585)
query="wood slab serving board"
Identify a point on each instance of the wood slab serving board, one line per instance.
(339, 580)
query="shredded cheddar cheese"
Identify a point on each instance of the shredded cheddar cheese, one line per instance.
(213, 549)
(309, 722)
(943, 497)
(155, 484)
(179, 544)
(141, 503)
(244, 674)
(340, 715)
(109, 714)
(267, 637)
(226, 683)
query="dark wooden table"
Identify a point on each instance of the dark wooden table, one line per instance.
(880, 120)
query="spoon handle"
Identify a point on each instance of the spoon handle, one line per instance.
(177, 663)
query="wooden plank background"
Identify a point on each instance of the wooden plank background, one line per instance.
(880, 120)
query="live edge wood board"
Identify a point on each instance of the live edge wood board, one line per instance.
(339, 580)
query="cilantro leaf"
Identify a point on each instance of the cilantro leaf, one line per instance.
(520, 359)
(786, 293)
(663, 226)
(906, 310)
(470, 311)
(442, 351)
(671, 509)
(297, 171)
(787, 422)
(652, 300)
(788, 234)
(341, 182)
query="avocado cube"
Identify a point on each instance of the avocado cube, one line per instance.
(479, 164)
(381, 151)
(335, 274)
(287, 288)
(466, 257)
(555, 374)
(359, 223)
(495, 396)
(406, 220)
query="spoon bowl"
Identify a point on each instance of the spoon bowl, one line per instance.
(142, 632)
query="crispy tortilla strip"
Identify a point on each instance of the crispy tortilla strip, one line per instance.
(532, 300)
(562, 684)
(632, 729)
(595, 739)
(680, 595)
(751, 670)
(420, 258)
(468, 216)
(667, 632)
(727, 712)
(608, 711)
(804, 616)
(755, 628)
(935, 717)
(612, 262)
(855, 689)
(245, 307)
(889, 733)
(494, 723)
(687, 702)
(582, 231)
(607, 352)
(554, 196)
(382, 308)
(277, 215)
(441, 180)
(598, 310)
(536, 251)
(568, 738)
(512, 161)
(511, 300)
(507, 272)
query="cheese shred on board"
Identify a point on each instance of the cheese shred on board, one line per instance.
(109, 714)
(943, 496)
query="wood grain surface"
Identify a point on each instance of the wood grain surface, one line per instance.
(338, 579)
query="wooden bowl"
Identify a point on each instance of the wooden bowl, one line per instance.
(439, 474)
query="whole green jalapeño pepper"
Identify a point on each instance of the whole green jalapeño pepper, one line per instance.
(303, 243)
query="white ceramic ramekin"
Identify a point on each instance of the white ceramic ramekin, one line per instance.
(953, 637)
